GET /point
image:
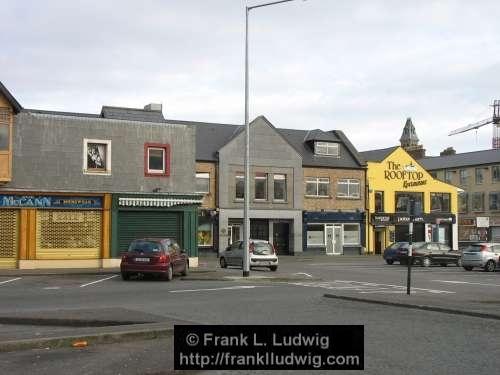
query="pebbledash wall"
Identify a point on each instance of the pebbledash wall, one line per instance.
(57, 210)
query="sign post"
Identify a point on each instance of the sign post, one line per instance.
(412, 213)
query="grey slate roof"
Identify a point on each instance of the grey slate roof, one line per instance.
(377, 155)
(466, 159)
(10, 98)
(132, 114)
(320, 135)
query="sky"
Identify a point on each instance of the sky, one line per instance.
(360, 66)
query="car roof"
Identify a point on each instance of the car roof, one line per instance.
(153, 239)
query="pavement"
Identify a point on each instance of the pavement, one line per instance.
(68, 328)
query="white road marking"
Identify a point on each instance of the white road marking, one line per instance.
(98, 281)
(52, 288)
(212, 289)
(9, 281)
(303, 273)
(463, 282)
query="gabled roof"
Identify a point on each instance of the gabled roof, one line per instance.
(466, 159)
(132, 114)
(10, 98)
(320, 135)
(377, 155)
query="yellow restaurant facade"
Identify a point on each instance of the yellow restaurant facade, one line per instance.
(393, 184)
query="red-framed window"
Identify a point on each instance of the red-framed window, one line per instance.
(156, 159)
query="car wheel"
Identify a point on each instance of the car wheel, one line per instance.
(389, 261)
(125, 276)
(222, 262)
(170, 273)
(185, 270)
(425, 262)
(459, 262)
(468, 268)
(273, 268)
(490, 266)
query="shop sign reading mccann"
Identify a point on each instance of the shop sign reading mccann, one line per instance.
(49, 201)
(406, 173)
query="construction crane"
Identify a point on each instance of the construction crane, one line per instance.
(495, 120)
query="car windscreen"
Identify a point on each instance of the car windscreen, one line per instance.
(262, 248)
(144, 247)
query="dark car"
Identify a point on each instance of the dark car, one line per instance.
(428, 253)
(390, 254)
(154, 256)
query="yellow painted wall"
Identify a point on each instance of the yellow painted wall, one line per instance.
(399, 172)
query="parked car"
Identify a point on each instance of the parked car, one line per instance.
(154, 256)
(390, 253)
(428, 253)
(481, 254)
(261, 254)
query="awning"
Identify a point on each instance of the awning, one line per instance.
(156, 202)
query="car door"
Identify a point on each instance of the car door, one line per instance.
(447, 255)
(231, 253)
(434, 252)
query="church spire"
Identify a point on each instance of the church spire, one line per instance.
(409, 137)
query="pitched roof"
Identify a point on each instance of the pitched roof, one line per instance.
(320, 135)
(465, 159)
(10, 98)
(132, 114)
(377, 155)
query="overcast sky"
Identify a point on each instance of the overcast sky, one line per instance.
(360, 66)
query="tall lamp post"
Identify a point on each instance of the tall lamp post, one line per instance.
(246, 219)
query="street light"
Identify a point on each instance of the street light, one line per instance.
(246, 219)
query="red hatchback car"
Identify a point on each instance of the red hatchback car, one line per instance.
(154, 256)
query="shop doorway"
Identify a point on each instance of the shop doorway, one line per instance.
(334, 243)
(281, 233)
(259, 229)
(379, 241)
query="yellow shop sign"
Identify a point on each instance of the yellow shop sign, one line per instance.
(408, 174)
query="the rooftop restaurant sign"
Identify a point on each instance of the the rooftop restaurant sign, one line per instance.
(407, 174)
(48, 201)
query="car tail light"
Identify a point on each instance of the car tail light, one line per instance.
(163, 258)
(484, 248)
(274, 250)
(124, 257)
(250, 248)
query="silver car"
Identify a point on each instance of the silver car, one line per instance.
(262, 254)
(481, 254)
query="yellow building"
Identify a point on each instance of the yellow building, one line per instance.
(396, 181)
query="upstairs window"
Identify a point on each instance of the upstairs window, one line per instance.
(379, 201)
(4, 130)
(203, 182)
(448, 176)
(317, 186)
(479, 176)
(260, 186)
(348, 188)
(96, 156)
(403, 202)
(464, 176)
(478, 202)
(326, 148)
(279, 187)
(495, 173)
(494, 201)
(239, 185)
(440, 202)
(463, 202)
(157, 160)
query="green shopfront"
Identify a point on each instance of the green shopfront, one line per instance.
(155, 215)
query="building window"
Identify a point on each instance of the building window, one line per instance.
(96, 156)
(494, 201)
(448, 176)
(348, 188)
(261, 186)
(203, 182)
(157, 159)
(326, 148)
(463, 202)
(478, 202)
(317, 186)
(205, 237)
(351, 234)
(479, 176)
(240, 185)
(440, 202)
(495, 173)
(464, 176)
(315, 235)
(279, 187)
(379, 201)
(4, 136)
(403, 202)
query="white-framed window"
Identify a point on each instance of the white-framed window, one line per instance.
(315, 235)
(326, 148)
(279, 187)
(351, 234)
(156, 160)
(317, 186)
(261, 186)
(96, 156)
(348, 188)
(203, 182)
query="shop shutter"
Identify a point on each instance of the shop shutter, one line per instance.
(139, 224)
(9, 224)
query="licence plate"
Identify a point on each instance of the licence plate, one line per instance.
(141, 260)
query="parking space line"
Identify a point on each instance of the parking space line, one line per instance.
(97, 281)
(222, 288)
(464, 282)
(9, 281)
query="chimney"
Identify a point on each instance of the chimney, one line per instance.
(153, 107)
